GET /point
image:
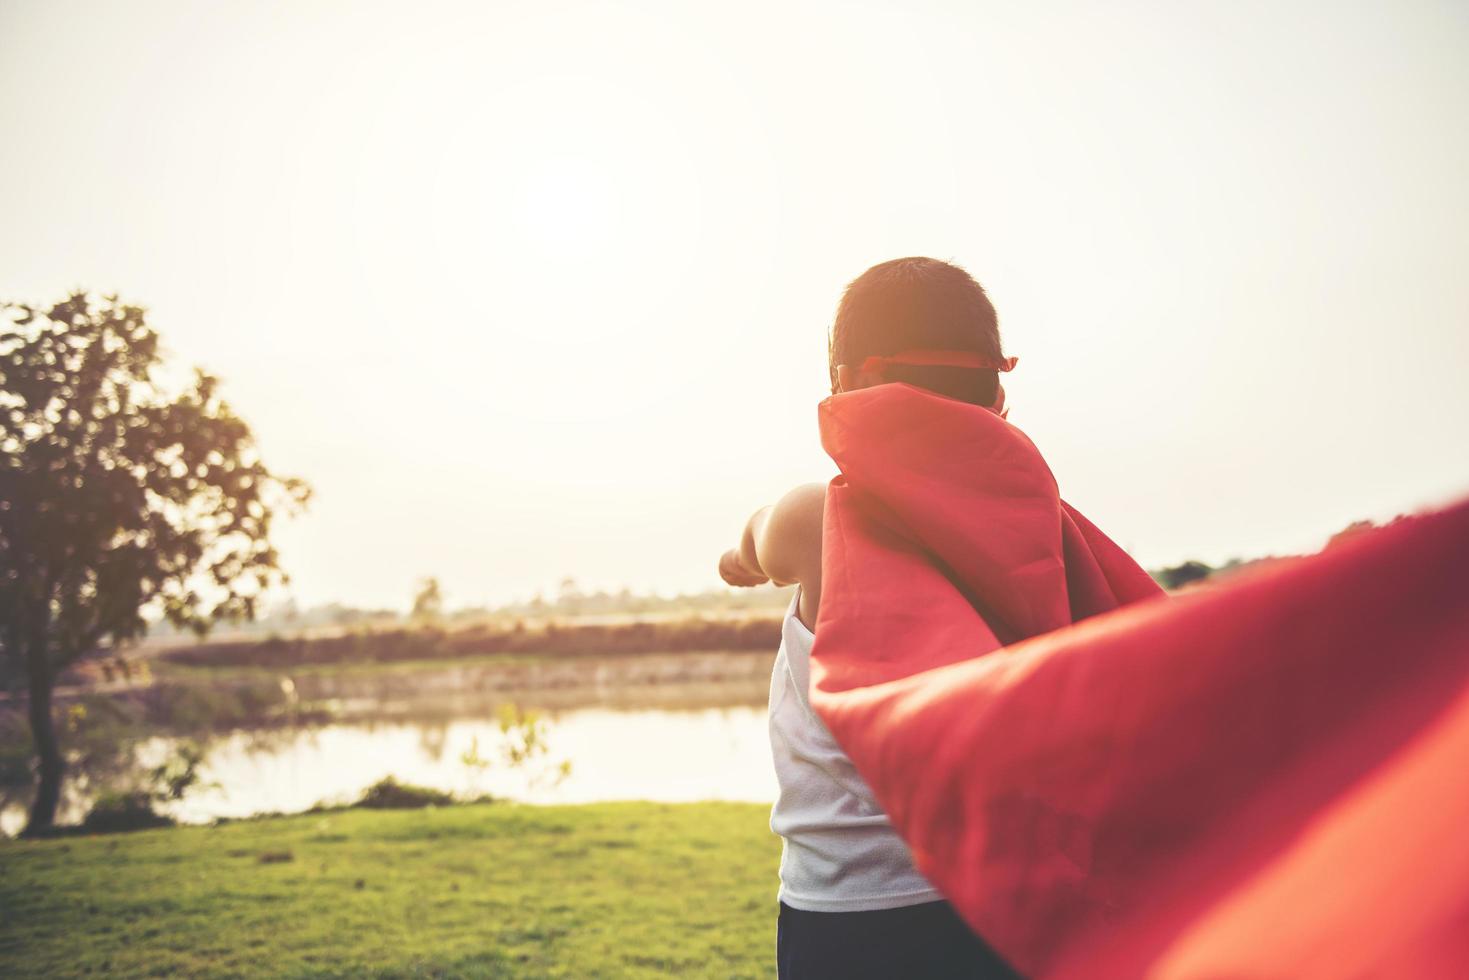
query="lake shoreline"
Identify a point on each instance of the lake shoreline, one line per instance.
(628, 679)
(262, 749)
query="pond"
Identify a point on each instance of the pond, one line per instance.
(614, 753)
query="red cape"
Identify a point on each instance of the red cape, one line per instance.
(1264, 778)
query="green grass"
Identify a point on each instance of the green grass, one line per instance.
(497, 890)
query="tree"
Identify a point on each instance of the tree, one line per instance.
(1178, 576)
(120, 499)
(428, 603)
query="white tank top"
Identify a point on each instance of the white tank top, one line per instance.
(840, 854)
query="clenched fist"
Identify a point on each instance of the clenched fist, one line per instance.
(736, 572)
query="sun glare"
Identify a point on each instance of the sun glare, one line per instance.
(568, 205)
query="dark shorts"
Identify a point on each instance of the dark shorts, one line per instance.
(917, 942)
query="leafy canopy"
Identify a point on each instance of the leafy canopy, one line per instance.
(118, 496)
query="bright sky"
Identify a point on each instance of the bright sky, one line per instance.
(538, 289)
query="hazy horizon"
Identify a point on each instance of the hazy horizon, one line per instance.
(530, 291)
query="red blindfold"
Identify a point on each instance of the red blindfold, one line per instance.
(876, 364)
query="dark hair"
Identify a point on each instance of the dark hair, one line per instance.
(913, 303)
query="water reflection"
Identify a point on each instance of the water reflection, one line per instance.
(664, 754)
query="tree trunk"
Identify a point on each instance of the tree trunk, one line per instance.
(50, 765)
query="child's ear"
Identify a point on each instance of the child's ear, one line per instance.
(845, 377)
(849, 378)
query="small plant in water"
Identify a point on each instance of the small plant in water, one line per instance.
(179, 773)
(523, 742)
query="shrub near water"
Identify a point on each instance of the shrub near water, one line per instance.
(114, 812)
(389, 794)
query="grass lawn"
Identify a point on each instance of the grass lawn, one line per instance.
(493, 890)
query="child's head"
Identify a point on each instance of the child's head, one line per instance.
(916, 303)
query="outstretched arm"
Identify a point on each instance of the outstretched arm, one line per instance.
(782, 544)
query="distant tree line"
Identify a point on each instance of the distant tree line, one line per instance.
(1192, 572)
(554, 638)
(429, 606)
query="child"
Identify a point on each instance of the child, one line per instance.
(1169, 789)
(852, 903)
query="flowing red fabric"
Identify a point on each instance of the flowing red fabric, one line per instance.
(1265, 778)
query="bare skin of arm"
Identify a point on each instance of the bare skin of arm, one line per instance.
(782, 544)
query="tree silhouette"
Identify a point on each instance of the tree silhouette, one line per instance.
(1178, 576)
(118, 498)
(428, 602)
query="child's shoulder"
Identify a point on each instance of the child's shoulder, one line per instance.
(803, 499)
(792, 547)
(796, 518)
